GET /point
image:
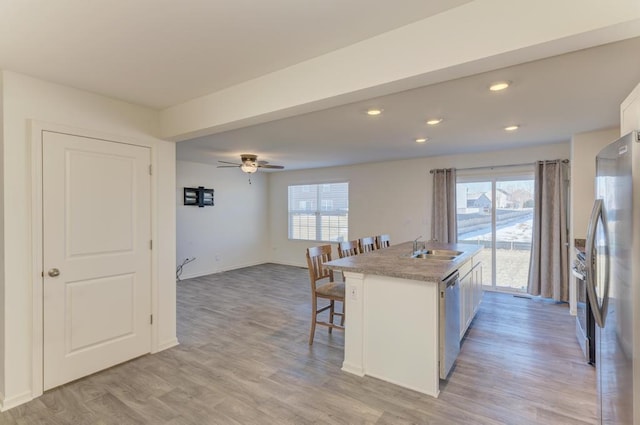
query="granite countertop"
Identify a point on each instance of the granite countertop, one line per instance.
(396, 261)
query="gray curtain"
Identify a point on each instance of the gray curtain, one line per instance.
(443, 207)
(549, 265)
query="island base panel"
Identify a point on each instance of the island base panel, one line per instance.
(399, 329)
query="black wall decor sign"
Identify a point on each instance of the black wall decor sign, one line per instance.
(198, 196)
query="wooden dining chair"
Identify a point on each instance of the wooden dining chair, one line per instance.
(348, 248)
(383, 241)
(367, 244)
(323, 287)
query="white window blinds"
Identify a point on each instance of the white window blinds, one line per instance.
(319, 212)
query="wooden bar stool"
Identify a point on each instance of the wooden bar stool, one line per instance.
(329, 290)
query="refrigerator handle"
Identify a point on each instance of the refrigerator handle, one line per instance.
(599, 311)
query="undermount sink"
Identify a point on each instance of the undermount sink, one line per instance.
(448, 252)
(437, 254)
(433, 257)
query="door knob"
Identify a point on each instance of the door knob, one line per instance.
(54, 272)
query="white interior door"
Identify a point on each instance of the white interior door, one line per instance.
(96, 255)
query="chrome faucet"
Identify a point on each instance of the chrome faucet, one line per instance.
(415, 244)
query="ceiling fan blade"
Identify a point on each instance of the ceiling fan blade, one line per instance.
(228, 166)
(227, 162)
(262, 162)
(274, 167)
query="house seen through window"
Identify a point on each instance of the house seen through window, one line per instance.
(319, 212)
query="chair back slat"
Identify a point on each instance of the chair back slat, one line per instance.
(383, 241)
(348, 248)
(316, 257)
(367, 244)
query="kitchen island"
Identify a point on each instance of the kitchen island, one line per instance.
(392, 304)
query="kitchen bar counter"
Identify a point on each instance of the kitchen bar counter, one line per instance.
(396, 261)
(392, 313)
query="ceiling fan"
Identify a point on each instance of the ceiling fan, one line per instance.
(250, 164)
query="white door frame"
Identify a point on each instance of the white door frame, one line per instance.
(36, 128)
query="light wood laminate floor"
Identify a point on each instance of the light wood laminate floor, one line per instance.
(244, 359)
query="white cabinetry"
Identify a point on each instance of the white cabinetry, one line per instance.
(466, 283)
(470, 292)
(630, 112)
(477, 285)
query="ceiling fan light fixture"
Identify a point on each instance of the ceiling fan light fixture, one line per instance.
(249, 168)
(249, 164)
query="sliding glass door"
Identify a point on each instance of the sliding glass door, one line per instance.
(496, 212)
(474, 212)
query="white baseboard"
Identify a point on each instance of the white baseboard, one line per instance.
(16, 400)
(352, 369)
(292, 264)
(239, 266)
(220, 270)
(166, 345)
(434, 393)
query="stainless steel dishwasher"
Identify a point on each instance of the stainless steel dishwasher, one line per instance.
(449, 328)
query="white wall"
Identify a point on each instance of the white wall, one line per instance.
(25, 99)
(630, 112)
(584, 148)
(231, 234)
(390, 197)
(2, 281)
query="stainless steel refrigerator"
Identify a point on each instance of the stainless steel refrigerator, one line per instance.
(613, 279)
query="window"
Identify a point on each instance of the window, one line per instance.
(327, 204)
(329, 222)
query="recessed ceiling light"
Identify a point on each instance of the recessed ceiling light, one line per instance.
(374, 111)
(500, 85)
(511, 128)
(434, 121)
(421, 140)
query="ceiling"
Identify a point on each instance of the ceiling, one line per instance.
(549, 99)
(160, 53)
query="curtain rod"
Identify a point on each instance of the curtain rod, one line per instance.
(491, 167)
